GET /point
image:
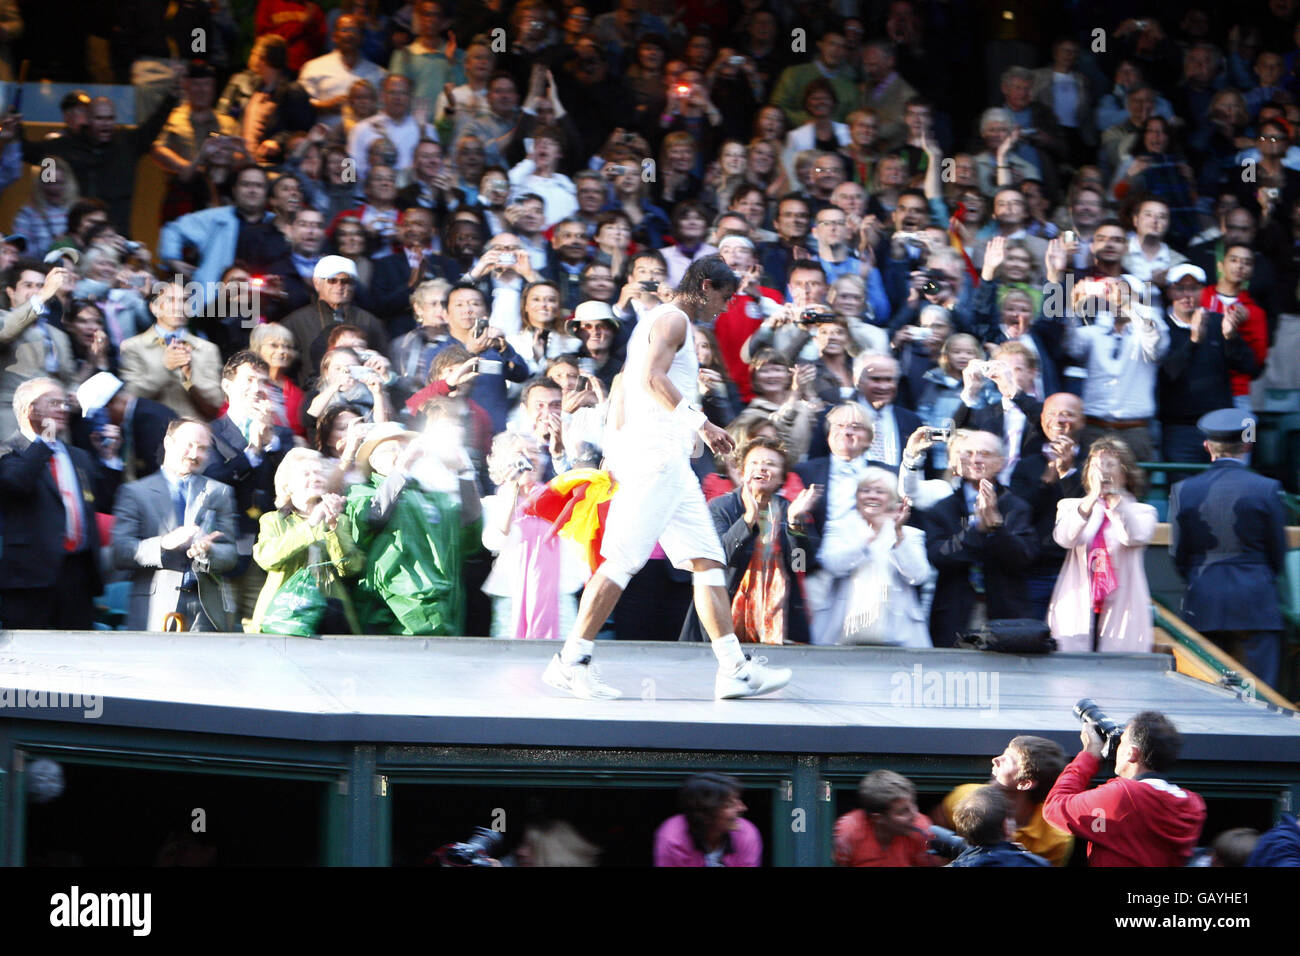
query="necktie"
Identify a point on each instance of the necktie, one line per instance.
(179, 497)
(72, 534)
(879, 444)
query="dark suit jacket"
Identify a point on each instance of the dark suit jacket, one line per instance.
(1227, 538)
(990, 418)
(148, 427)
(953, 545)
(254, 485)
(144, 513)
(738, 538)
(33, 514)
(1028, 485)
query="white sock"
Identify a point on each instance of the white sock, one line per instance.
(575, 649)
(730, 657)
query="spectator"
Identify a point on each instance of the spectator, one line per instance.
(981, 540)
(92, 349)
(886, 829)
(879, 563)
(135, 450)
(877, 378)
(175, 532)
(415, 586)
(595, 325)
(432, 184)
(690, 226)
(1205, 349)
(329, 79)
(49, 566)
(30, 344)
(829, 64)
(1024, 772)
(432, 60)
(45, 218)
(335, 280)
(412, 354)
(273, 344)
(308, 528)
(538, 174)
(170, 364)
(471, 96)
(1231, 298)
(535, 576)
(1047, 474)
(1231, 557)
(344, 380)
(762, 536)
(188, 140)
(1157, 169)
(1122, 353)
(1150, 821)
(1280, 846)
(783, 394)
(246, 449)
(710, 830)
(541, 334)
(1234, 847)
(1013, 413)
(244, 231)
(984, 819)
(940, 397)
(395, 122)
(103, 157)
(1101, 599)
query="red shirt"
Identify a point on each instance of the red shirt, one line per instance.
(1254, 331)
(1146, 822)
(733, 329)
(856, 844)
(301, 24)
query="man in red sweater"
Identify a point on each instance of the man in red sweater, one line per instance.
(1139, 818)
(1229, 298)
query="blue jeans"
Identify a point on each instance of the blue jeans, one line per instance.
(1039, 588)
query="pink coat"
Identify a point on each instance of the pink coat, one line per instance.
(1126, 619)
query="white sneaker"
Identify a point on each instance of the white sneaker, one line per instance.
(580, 680)
(753, 679)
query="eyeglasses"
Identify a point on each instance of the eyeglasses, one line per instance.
(1271, 139)
(830, 222)
(340, 280)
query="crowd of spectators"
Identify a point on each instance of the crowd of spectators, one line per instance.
(402, 250)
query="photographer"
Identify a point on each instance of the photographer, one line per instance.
(1139, 818)
(984, 819)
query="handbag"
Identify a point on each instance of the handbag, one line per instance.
(302, 607)
(1011, 635)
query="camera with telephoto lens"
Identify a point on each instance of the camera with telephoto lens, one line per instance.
(478, 850)
(946, 843)
(1088, 712)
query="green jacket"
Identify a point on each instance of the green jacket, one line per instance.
(794, 80)
(284, 545)
(415, 546)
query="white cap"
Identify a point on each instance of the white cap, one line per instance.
(330, 266)
(97, 391)
(1186, 269)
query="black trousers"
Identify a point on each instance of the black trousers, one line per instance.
(68, 606)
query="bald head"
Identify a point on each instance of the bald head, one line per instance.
(1062, 416)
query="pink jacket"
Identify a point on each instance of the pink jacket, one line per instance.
(674, 847)
(1126, 619)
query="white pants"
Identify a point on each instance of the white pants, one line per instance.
(657, 500)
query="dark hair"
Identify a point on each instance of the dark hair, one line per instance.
(1156, 739)
(82, 208)
(709, 269)
(469, 287)
(804, 265)
(819, 85)
(689, 206)
(239, 360)
(981, 818)
(1233, 847)
(502, 75)
(15, 271)
(534, 383)
(325, 425)
(700, 799)
(1041, 761)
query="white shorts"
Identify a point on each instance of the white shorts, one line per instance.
(657, 500)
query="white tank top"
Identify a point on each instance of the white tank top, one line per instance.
(648, 427)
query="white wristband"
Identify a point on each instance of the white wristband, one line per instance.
(690, 415)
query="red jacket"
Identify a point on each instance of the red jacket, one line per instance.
(301, 24)
(1145, 822)
(1254, 332)
(733, 329)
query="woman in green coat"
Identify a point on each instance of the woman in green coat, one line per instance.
(310, 526)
